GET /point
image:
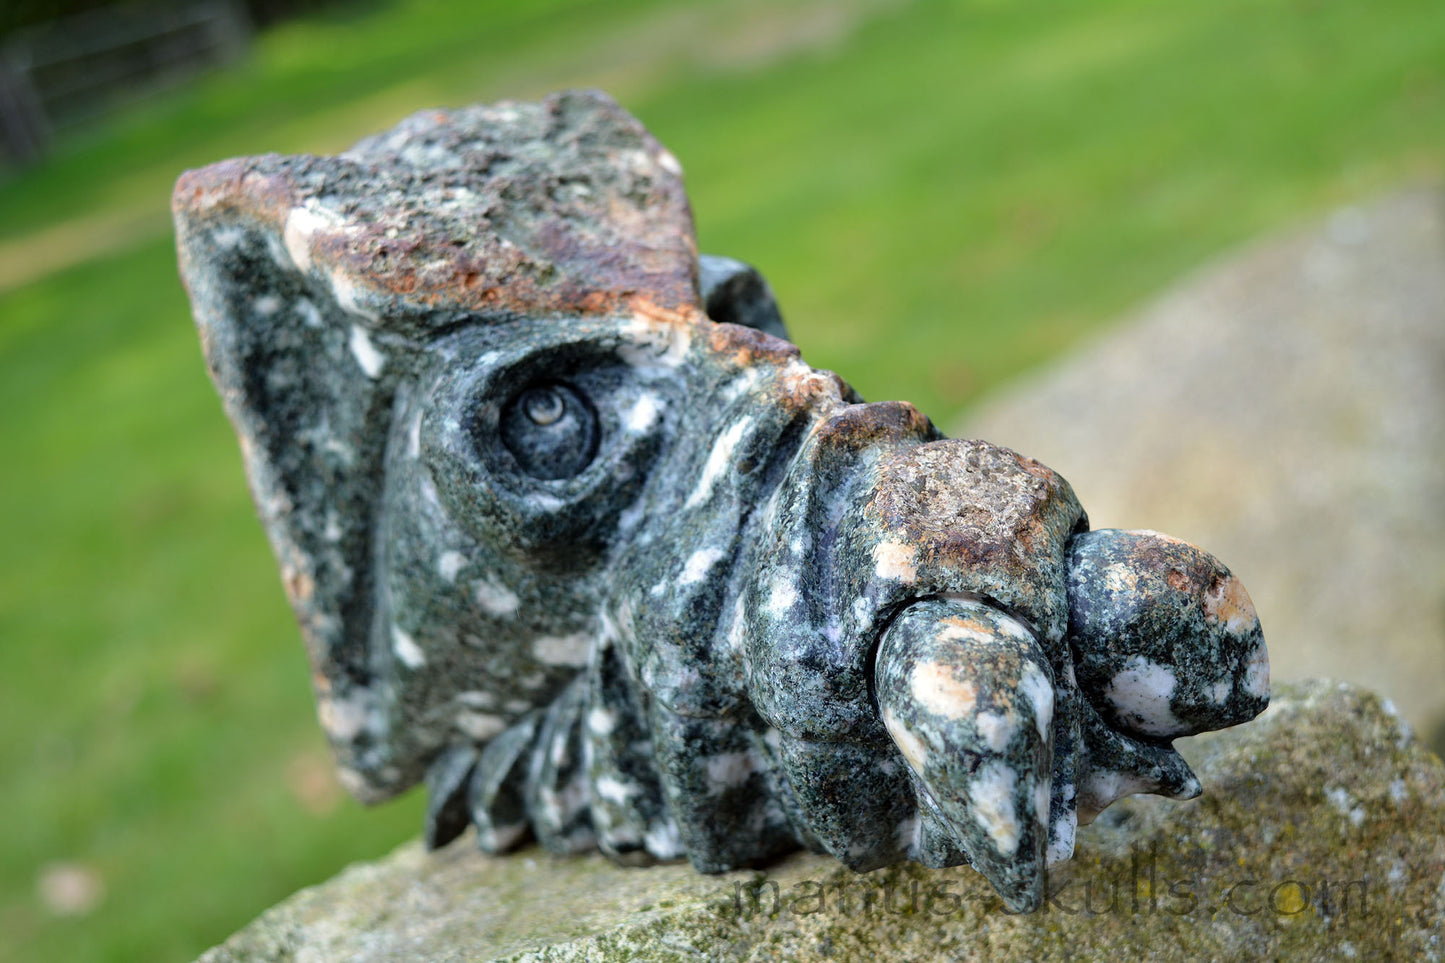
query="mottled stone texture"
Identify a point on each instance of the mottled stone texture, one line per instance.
(575, 536)
(1323, 838)
(1282, 406)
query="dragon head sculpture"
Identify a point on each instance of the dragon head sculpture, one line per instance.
(575, 537)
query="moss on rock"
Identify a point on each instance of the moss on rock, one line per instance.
(1321, 835)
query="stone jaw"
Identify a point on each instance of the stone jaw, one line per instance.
(741, 611)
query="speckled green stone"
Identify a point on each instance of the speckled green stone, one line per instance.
(1323, 838)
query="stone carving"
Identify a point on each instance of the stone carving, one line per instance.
(575, 536)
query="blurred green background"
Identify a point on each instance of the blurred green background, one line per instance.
(942, 194)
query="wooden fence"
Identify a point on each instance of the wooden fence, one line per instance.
(61, 75)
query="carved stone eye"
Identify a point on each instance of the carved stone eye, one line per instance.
(551, 430)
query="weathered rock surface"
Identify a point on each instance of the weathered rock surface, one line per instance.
(1283, 410)
(1321, 835)
(597, 568)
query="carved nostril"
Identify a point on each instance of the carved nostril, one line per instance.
(1228, 604)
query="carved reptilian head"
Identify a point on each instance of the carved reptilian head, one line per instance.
(575, 537)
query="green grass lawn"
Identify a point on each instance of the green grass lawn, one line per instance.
(943, 195)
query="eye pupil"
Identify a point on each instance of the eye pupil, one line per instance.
(543, 406)
(551, 431)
